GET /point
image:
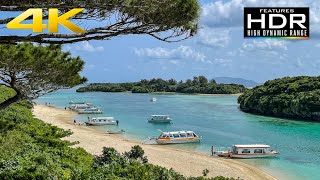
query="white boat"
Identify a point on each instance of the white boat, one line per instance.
(160, 119)
(78, 106)
(247, 151)
(178, 137)
(116, 132)
(100, 121)
(90, 110)
(76, 102)
(153, 99)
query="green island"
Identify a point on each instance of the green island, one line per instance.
(32, 149)
(198, 85)
(288, 97)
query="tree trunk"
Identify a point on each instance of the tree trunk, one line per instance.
(10, 101)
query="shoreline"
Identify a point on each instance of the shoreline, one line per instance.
(186, 162)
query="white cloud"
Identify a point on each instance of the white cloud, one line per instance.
(86, 46)
(265, 45)
(271, 49)
(214, 37)
(174, 62)
(182, 52)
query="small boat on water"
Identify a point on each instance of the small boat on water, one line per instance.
(160, 119)
(248, 151)
(77, 102)
(177, 137)
(100, 121)
(116, 132)
(79, 106)
(90, 110)
(153, 99)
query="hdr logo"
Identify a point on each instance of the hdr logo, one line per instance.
(53, 21)
(282, 22)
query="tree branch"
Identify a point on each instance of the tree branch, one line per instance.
(10, 101)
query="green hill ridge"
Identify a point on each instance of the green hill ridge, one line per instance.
(288, 97)
(198, 85)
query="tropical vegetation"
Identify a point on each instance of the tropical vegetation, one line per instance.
(31, 149)
(198, 84)
(34, 70)
(289, 97)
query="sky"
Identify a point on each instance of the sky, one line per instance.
(219, 49)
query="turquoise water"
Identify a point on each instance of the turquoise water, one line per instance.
(217, 119)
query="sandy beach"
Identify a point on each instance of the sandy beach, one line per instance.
(186, 162)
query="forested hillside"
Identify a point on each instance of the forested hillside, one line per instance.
(197, 85)
(289, 97)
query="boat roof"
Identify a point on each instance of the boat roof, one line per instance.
(103, 118)
(76, 102)
(251, 146)
(177, 132)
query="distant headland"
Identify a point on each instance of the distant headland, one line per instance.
(197, 85)
(288, 97)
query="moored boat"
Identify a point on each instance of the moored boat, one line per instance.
(116, 132)
(247, 151)
(153, 99)
(100, 121)
(178, 137)
(76, 102)
(160, 119)
(79, 106)
(90, 110)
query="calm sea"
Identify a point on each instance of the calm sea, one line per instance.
(217, 119)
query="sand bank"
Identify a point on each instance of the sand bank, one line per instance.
(186, 162)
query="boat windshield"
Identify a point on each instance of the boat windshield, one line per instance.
(190, 134)
(164, 135)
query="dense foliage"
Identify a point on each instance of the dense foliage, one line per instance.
(197, 85)
(33, 70)
(31, 149)
(289, 97)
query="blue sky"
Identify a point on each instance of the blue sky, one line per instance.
(219, 49)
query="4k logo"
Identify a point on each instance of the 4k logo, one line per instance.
(53, 21)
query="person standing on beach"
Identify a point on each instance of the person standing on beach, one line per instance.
(212, 151)
(117, 122)
(75, 122)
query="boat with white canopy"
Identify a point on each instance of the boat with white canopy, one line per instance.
(177, 137)
(100, 121)
(247, 151)
(160, 119)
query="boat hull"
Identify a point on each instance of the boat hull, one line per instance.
(99, 124)
(246, 156)
(159, 121)
(178, 141)
(252, 156)
(90, 112)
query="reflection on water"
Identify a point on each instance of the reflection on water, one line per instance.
(217, 119)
